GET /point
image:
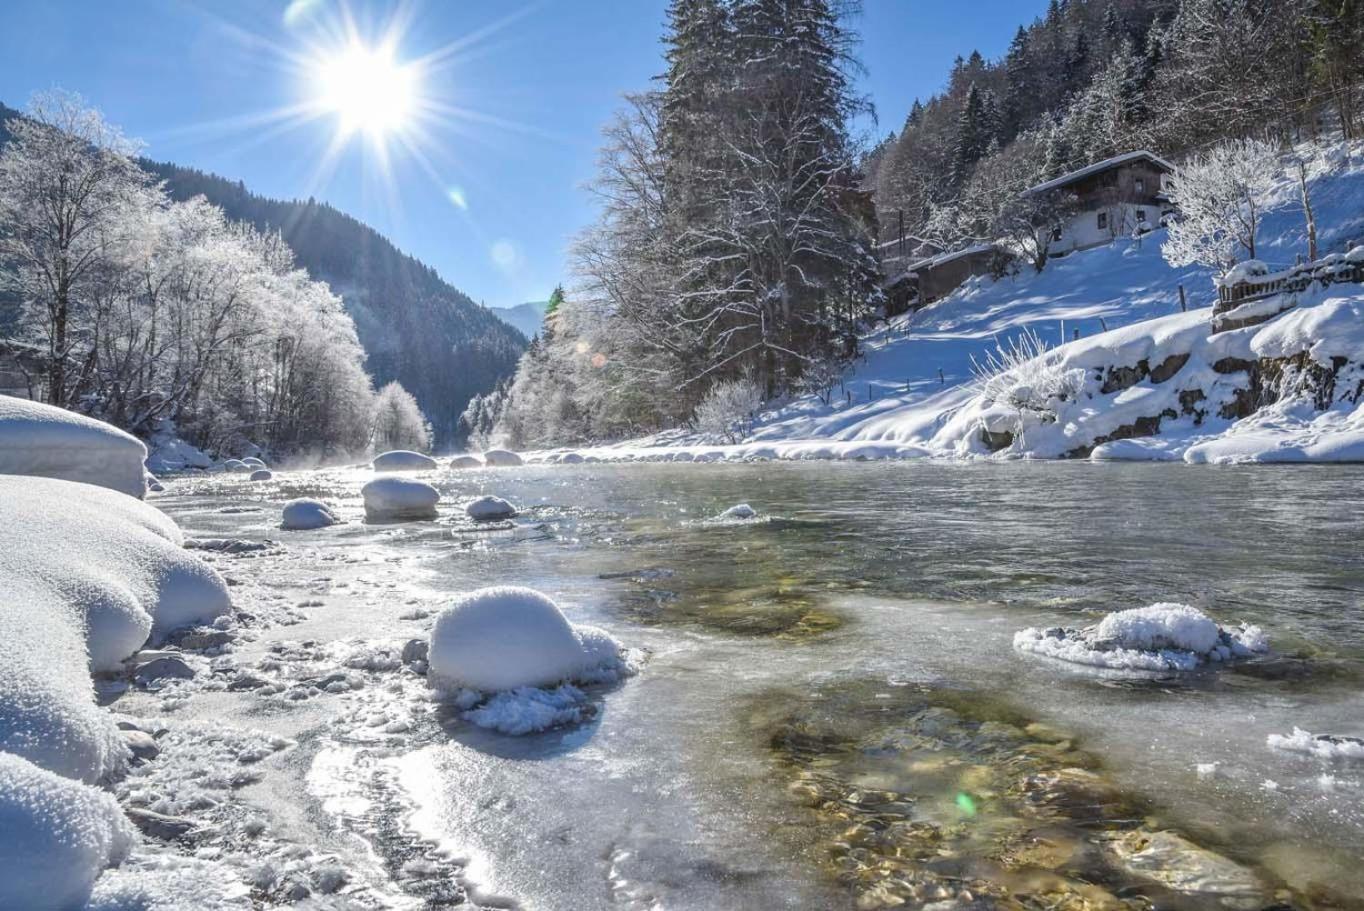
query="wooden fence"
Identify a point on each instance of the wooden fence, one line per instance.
(1331, 270)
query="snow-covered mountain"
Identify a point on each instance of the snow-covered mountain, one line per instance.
(526, 318)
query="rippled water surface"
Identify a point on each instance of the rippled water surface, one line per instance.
(831, 713)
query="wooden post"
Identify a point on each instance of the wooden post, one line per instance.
(942, 380)
(1102, 324)
(1183, 305)
(1075, 334)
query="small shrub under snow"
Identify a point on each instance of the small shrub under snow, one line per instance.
(1161, 637)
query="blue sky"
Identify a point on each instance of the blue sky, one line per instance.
(489, 190)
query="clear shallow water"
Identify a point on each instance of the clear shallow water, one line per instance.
(795, 663)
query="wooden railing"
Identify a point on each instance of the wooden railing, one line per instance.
(1331, 270)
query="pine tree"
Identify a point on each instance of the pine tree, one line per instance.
(972, 136)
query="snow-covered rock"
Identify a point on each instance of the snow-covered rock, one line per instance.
(466, 461)
(170, 453)
(1322, 746)
(403, 460)
(49, 442)
(502, 458)
(571, 458)
(306, 513)
(1161, 637)
(739, 511)
(399, 498)
(56, 837)
(254, 462)
(236, 465)
(262, 474)
(90, 575)
(488, 508)
(496, 639)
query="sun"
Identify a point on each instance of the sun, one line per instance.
(367, 89)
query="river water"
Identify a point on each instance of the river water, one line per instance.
(830, 712)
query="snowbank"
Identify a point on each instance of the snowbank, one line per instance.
(403, 460)
(38, 439)
(466, 461)
(515, 643)
(1322, 746)
(399, 498)
(305, 513)
(1161, 637)
(488, 508)
(502, 458)
(56, 837)
(89, 576)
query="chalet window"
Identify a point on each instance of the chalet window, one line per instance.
(1103, 220)
(1141, 216)
(1140, 184)
(1055, 234)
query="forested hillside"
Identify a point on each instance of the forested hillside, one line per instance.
(414, 326)
(1096, 78)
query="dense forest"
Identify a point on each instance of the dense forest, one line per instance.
(732, 265)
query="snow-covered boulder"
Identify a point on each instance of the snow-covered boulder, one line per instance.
(306, 513)
(502, 458)
(235, 465)
(56, 837)
(571, 458)
(262, 474)
(254, 462)
(403, 460)
(496, 639)
(49, 442)
(466, 461)
(1244, 272)
(739, 511)
(389, 499)
(489, 508)
(1161, 637)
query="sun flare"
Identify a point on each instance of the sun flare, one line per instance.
(367, 89)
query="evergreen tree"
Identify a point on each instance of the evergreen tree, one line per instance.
(972, 136)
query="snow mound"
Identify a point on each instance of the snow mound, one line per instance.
(517, 645)
(502, 458)
(403, 460)
(1322, 746)
(399, 498)
(262, 474)
(739, 511)
(305, 513)
(1161, 637)
(56, 837)
(89, 575)
(49, 442)
(488, 508)
(466, 461)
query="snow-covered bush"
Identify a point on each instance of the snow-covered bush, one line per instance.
(398, 420)
(496, 639)
(1026, 375)
(42, 440)
(56, 837)
(394, 499)
(727, 408)
(403, 460)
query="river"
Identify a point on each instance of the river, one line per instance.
(830, 712)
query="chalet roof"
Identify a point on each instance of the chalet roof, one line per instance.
(933, 262)
(1099, 166)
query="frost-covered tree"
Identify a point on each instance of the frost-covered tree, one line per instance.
(67, 182)
(398, 421)
(728, 408)
(1220, 197)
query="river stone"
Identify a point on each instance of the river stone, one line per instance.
(158, 825)
(1179, 864)
(162, 667)
(142, 744)
(415, 650)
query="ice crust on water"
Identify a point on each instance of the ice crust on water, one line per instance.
(487, 508)
(56, 837)
(306, 513)
(510, 656)
(1322, 746)
(399, 498)
(403, 460)
(1160, 637)
(50, 442)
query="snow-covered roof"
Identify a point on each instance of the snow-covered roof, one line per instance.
(943, 258)
(1098, 166)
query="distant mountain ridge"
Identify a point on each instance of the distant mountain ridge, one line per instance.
(528, 317)
(414, 326)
